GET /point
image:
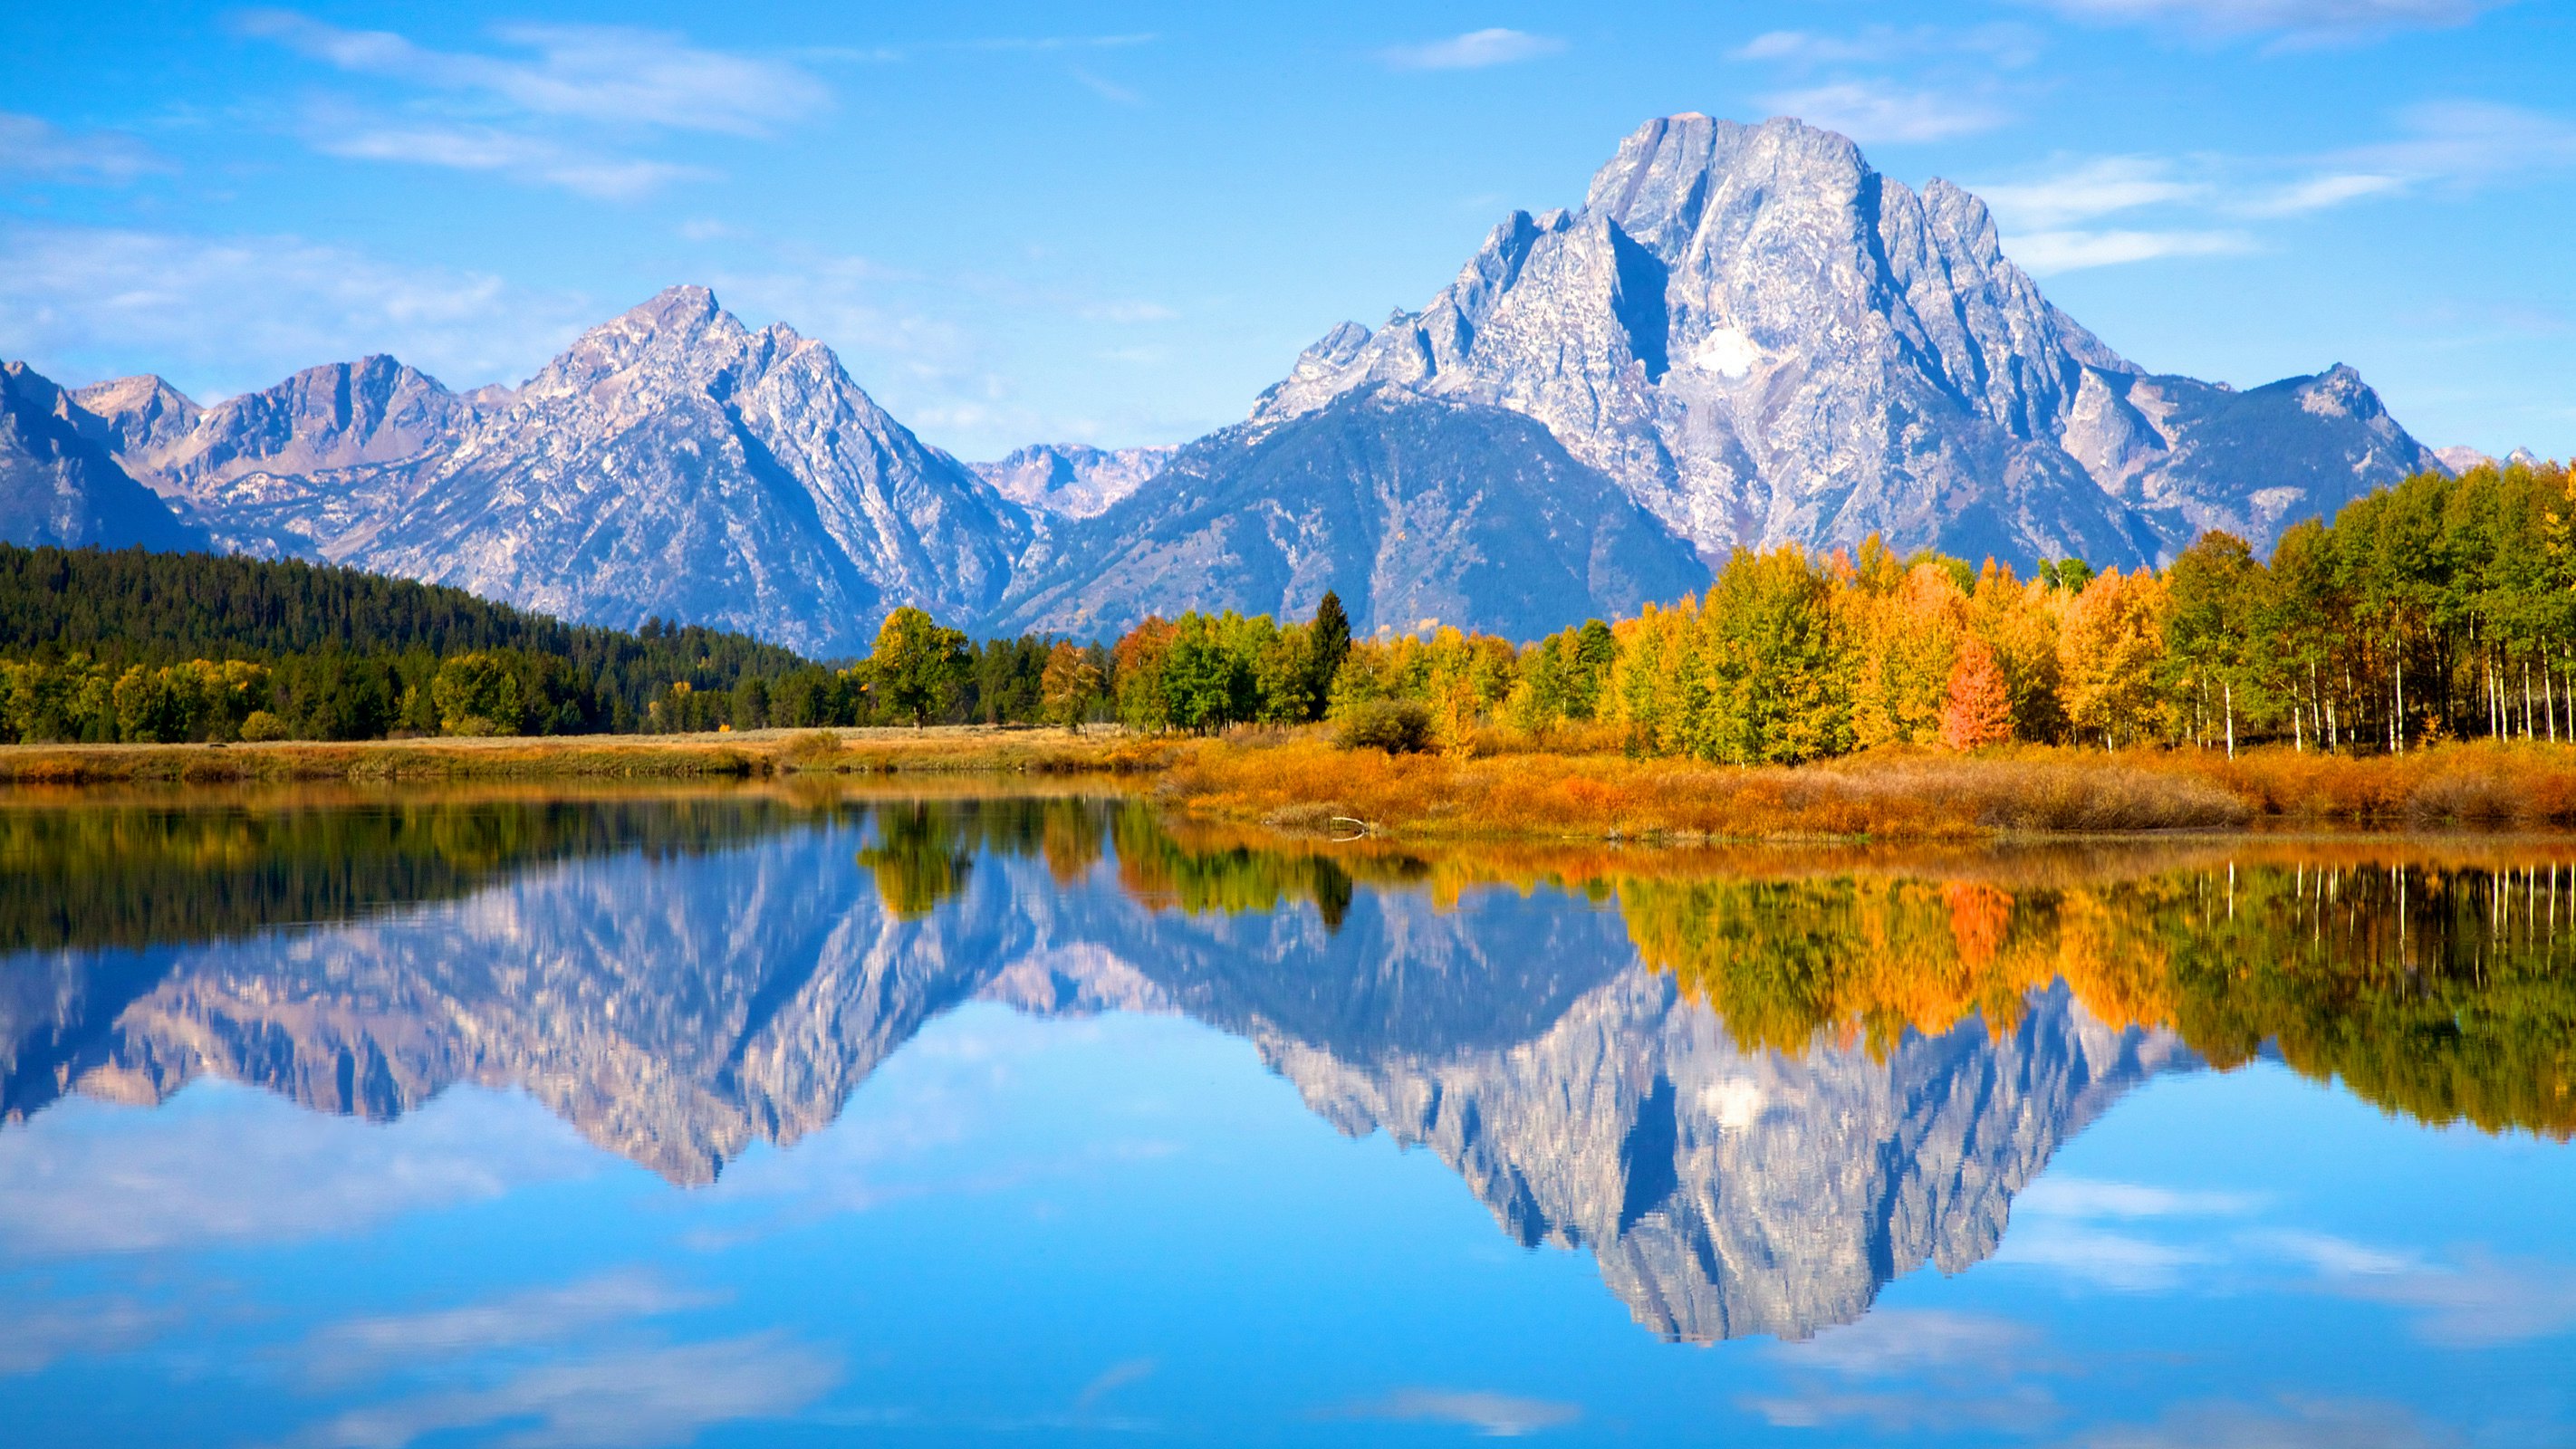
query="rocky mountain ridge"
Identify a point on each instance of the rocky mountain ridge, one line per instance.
(58, 483)
(1745, 335)
(672, 462)
(1072, 480)
(1766, 341)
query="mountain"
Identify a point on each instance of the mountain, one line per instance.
(1416, 510)
(1744, 336)
(1764, 340)
(673, 462)
(1070, 479)
(58, 482)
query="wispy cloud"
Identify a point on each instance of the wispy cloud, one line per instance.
(2292, 1423)
(1105, 88)
(590, 72)
(490, 148)
(564, 109)
(2009, 46)
(364, 1347)
(41, 1333)
(2477, 1301)
(1911, 1370)
(2088, 190)
(33, 146)
(1873, 111)
(1496, 1416)
(137, 1183)
(2294, 22)
(1474, 50)
(643, 1397)
(2454, 148)
(2081, 1197)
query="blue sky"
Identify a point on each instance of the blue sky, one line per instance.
(1117, 222)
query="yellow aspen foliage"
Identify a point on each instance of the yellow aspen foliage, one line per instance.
(2108, 654)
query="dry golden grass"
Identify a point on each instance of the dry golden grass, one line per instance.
(1303, 783)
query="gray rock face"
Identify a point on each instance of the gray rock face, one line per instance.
(58, 483)
(672, 463)
(1416, 510)
(1070, 480)
(1764, 341)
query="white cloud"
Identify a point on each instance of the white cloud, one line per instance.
(2299, 22)
(363, 1347)
(2048, 253)
(490, 148)
(1474, 50)
(645, 1398)
(2117, 1261)
(2079, 1197)
(587, 72)
(1106, 89)
(1902, 1341)
(40, 1333)
(2088, 190)
(2292, 1424)
(2319, 193)
(129, 1181)
(35, 147)
(2469, 143)
(521, 116)
(2476, 1302)
(1496, 1416)
(2009, 46)
(1870, 111)
(222, 314)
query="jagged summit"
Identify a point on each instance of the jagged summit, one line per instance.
(1765, 340)
(670, 462)
(60, 485)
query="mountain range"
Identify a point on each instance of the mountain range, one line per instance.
(1744, 336)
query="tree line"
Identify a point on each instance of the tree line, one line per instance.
(128, 645)
(2439, 608)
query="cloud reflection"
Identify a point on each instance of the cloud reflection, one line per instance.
(635, 1399)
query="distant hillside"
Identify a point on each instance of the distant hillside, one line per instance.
(146, 608)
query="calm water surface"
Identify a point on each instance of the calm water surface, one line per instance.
(508, 1118)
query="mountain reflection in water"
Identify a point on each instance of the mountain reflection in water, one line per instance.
(1757, 1085)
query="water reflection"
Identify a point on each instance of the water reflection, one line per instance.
(1757, 1086)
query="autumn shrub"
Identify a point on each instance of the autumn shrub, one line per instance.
(1397, 726)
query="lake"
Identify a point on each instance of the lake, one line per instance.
(528, 1117)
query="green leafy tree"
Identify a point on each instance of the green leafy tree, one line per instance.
(918, 666)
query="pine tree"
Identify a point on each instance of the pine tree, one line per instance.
(1329, 644)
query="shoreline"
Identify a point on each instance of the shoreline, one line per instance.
(1295, 782)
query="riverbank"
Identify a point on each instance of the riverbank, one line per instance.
(943, 750)
(1299, 782)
